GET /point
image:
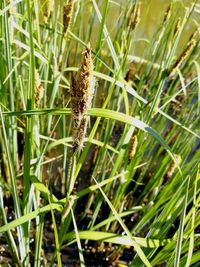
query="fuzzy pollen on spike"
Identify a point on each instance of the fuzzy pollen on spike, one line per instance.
(82, 90)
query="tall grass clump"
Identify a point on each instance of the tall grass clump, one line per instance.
(99, 133)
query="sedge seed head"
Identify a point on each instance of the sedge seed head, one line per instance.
(133, 146)
(82, 90)
(135, 17)
(167, 13)
(48, 9)
(172, 167)
(67, 15)
(182, 58)
(177, 27)
(39, 90)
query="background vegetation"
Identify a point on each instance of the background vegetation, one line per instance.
(130, 196)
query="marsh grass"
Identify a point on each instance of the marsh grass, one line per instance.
(126, 191)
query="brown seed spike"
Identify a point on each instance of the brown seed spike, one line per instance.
(135, 17)
(48, 8)
(182, 58)
(171, 169)
(177, 27)
(39, 90)
(67, 15)
(167, 13)
(133, 146)
(82, 89)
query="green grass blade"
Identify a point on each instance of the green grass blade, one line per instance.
(56, 236)
(192, 239)
(77, 235)
(117, 239)
(181, 229)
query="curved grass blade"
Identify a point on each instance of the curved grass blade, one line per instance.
(134, 122)
(64, 141)
(118, 239)
(130, 90)
(124, 118)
